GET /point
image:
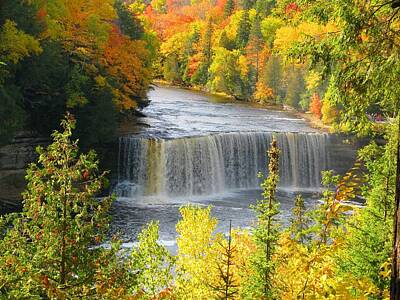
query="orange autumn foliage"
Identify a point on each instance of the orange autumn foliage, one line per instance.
(316, 105)
(124, 60)
(166, 25)
(263, 93)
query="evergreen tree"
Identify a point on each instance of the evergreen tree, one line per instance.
(264, 7)
(207, 43)
(51, 250)
(367, 247)
(266, 232)
(242, 37)
(128, 23)
(300, 221)
(256, 42)
(226, 288)
(295, 88)
(201, 75)
(229, 8)
(272, 76)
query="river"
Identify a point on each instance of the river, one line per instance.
(203, 149)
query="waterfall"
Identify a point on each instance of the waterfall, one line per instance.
(216, 163)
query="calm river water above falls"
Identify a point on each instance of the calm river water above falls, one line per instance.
(197, 148)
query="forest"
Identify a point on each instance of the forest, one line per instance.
(74, 69)
(93, 59)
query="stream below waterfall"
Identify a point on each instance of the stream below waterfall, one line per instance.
(202, 149)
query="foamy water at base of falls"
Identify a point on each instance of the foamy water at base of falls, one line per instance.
(203, 150)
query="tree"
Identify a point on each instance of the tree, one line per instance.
(243, 33)
(64, 55)
(201, 75)
(266, 231)
(246, 4)
(52, 247)
(159, 5)
(229, 8)
(150, 265)
(300, 221)
(230, 73)
(365, 80)
(271, 77)
(316, 105)
(295, 87)
(264, 7)
(129, 24)
(226, 42)
(226, 288)
(255, 45)
(197, 253)
(15, 45)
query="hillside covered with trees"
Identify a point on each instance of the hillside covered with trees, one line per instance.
(277, 52)
(92, 58)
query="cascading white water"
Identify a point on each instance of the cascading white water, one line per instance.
(216, 163)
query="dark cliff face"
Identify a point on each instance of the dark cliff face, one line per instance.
(14, 158)
(343, 152)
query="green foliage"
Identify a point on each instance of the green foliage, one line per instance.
(15, 44)
(363, 75)
(272, 77)
(368, 247)
(264, 7)
(226, 42)
(295, 88)
(224, 75)
(266, 232)
(44, 82)
(49, 250)
(300, 221)
(11, 113)
(201, 74)
(243, 34)
(150, 264)
(229, 8)
(172, 69)
(64, 54)
(129, 24)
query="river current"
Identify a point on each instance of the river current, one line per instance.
(197, 148)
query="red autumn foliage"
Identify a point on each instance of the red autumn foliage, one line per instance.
(41, 14)
(292, 8)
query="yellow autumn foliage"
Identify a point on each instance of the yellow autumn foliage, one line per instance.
(310, 273)
(197, 252)
(286, 36)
